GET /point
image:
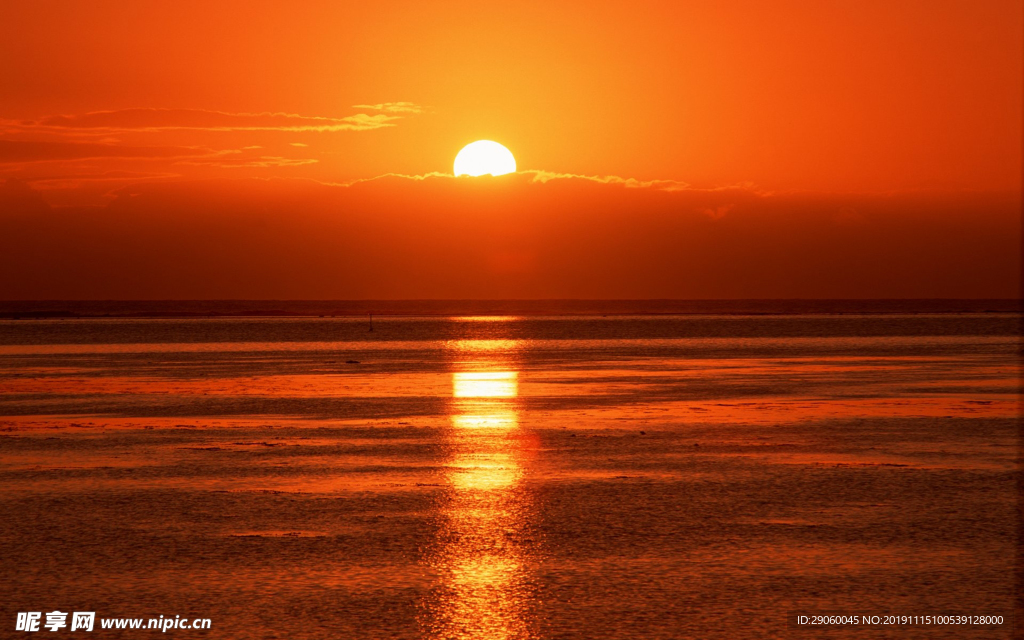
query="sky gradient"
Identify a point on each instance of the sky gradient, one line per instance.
(694, 149)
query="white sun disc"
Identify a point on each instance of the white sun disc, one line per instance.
(484, 157)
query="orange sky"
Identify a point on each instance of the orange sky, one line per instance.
(780, 116)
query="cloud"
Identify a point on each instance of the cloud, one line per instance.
(18, 199)
(20, 151)
(181, 140)
(261, 161)
(719, 211)
(391, 107)
(156, 120)
(437, 236)
(20, 154)
(664, 185)
(705, 201)
(535, 176)
(73, 180)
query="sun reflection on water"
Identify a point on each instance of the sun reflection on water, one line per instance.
(480, 551)
(485, 384)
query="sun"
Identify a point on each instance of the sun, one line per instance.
(484, 157)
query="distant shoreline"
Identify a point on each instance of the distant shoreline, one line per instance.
(71, 309)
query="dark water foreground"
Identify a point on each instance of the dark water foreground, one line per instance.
(557, 477)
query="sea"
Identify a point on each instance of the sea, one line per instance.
(506, 470)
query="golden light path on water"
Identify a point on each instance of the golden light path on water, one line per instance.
(482, 593)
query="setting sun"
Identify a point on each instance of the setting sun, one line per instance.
(484, 157)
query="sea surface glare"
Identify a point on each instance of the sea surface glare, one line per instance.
(627, 477)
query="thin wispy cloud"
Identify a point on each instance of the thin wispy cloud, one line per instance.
(632, 183)
(261, 161)
(543, 177)
(182, 140)
(29, 151)
(135, 120)
(73, 180)
(392, 107)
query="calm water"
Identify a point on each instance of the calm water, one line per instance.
(520, 478)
